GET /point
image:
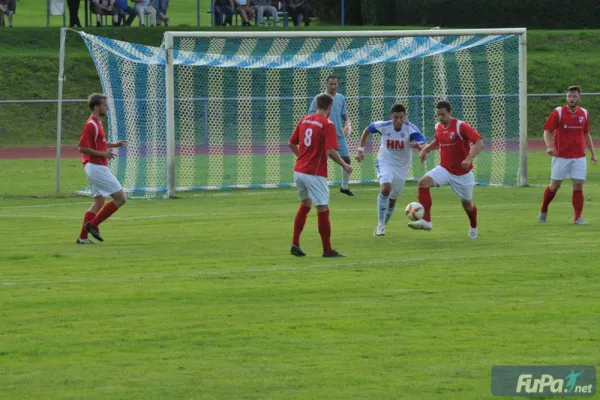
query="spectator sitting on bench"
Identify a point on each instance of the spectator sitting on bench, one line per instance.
(124, 11)
(244, 8)
(297, 8)
(7, 7)
(161, 10)
(105, 7)
(220, 8)
(144, 7)
(263, 5)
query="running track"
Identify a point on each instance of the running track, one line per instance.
(71, 152)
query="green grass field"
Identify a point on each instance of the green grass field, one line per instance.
(197, 298)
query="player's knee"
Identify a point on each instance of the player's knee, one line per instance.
(577, 185)
(555, 185)
(386, 190)
(307, 203)
(425, 182)
(392, 203)
(119, 199)
(467, 204)
(322, 209)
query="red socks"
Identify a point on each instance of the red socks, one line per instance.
(425, 200)
(472, 216)
(325, 231)
(87, 218)
(548, 197)
(299, 223)
(106, 211)
(577, 201)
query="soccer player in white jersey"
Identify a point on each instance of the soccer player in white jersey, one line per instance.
(398, 136)
(338, 115)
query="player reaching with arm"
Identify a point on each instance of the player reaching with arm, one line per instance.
(338, 114)
(398, 136)
(567, 134)
(459, 144)
(102, 182)
(312, 141)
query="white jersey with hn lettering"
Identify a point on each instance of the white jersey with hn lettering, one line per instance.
(395, 153)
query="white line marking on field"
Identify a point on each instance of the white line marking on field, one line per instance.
(442, 212)
(48, 205)
(304, 267)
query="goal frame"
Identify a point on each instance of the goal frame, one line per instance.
(169, 37)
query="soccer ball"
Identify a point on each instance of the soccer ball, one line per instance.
(414, 211)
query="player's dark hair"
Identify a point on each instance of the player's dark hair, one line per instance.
(324, 101)
(398, 108)
(95, 99)
(574, 88)
(332, 77)
(444, 104)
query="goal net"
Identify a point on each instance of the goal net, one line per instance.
(214, 110)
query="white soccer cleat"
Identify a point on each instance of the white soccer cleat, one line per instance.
(420, 224)
(379, 231)
(472, 233)
(84, 241)
(543, 217)
(579, 221)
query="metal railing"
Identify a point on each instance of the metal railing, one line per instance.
(50, 101)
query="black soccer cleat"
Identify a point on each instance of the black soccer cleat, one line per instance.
(92, 230)
(347, 191)
(333, 254)
(297, 251)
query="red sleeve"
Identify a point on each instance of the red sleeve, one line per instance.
(586, 127)
(87, 136)
(469, 132)
(330, 137)
(552, 122)
(295, 138)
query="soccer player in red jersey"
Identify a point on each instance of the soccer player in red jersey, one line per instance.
(570, 127)
(102, 182)
(459, 144)
(312, 141)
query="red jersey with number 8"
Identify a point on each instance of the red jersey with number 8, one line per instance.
(569, 129)
(314, 135)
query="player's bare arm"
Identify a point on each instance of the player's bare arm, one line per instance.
(360, 154)
(335, 156)
(475, 149)
(347, 125)
(294, 148)
(116, 145)
(589, 143)
(434, 145)
(92, 152)
(548, 138)
(416, 145)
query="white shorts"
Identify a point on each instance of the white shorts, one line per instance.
(387, 175)
(101, 181)
(565, 168)
(313, 187)
(462, 185)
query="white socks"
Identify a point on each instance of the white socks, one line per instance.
(345, 179)
(388, 216)
(383, 203)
